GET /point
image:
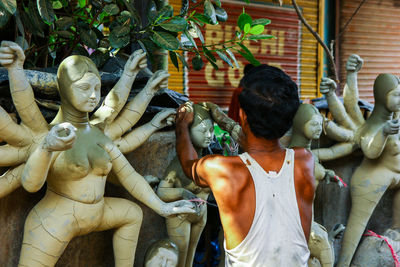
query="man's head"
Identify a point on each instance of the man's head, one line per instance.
(162, 253)
(270, 100)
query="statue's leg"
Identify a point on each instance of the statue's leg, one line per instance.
(127, 217)
(179, 232)
(367, 187)
(195, 234)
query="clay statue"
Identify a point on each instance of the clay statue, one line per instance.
(185, 230)
(162, 253)
(75, 155)
(307, 126)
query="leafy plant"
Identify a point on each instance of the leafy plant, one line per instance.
(50, 30)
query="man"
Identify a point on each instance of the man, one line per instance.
(264, 195)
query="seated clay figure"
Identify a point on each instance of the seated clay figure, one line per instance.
(185, 230)
(162, 253)
(74, 155)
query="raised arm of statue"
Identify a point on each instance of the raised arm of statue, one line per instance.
(116, 98)
(226, 123)
(12, 58)
(337, 133)
(327, 88)
(350, 92)
(140, 189)
(373, 142)
(138, 136)
(61, 137)
(134, 110)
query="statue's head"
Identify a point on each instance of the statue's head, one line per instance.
(202, 128)
(387, 91)
(79, 83)
(308, 122)
(162, 253)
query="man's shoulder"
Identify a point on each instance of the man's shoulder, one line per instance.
(302, 154)
(222, 164)
(304, 170)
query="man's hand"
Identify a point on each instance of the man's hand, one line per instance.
(61, 137)
(156, 82)
(135, 63)
(11, 55)
(164, 118)
(185, 115)
(354, 63)
(327, 86)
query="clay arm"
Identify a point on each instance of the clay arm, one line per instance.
(116, 98)
(350, 92)
(226, 123)
(12, 58)
(140, 189)
(60, 137)
(134, 110)
(138, 136)
(334, 152)
(373, 143)
(11, 180)
(327, 88)
(337, 133)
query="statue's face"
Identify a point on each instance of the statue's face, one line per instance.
(393, 99)
(313, 127)
(202, 134)
(163, 258)
(84, 94)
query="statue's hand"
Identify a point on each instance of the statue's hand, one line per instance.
(178, 207)
(391, 127)
(61, 137)
(135, 63)
(186, 194)
(327, 86)
(156, 82)
(164, 118)
(354, 63)
(11, 55)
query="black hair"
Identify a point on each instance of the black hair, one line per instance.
(270, 100)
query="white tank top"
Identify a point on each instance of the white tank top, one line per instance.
(276, 237)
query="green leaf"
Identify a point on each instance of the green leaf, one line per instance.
(218, 2)
(65, 34)
(215, 66)
(124, 16)
(246, 28)
(100, 57)
(260, 37)
(258, 29)
(152, 11)
(229, 52)
(183, 60)
(4, 17)
(184, 7)
(174, 59)
(64, 23)
(209, 11)
(119, 36)
(263, 22)
(221, 14)
(166, 11)
(249, 56)
(79, 50)
(22, 42)
(247, 1)
(9, 5)
(224, 58)
(190, 37)
(243, 19)
(198, 31)
(82, 3)
(57, 5)
(202, 18)
(46, 10)
(165, 40)
(32, 21)
(176, 24)
(89, 38)
(209, 54)
(111, 9)
(197, 62)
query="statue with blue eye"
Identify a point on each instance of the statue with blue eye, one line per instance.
(185, 230)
